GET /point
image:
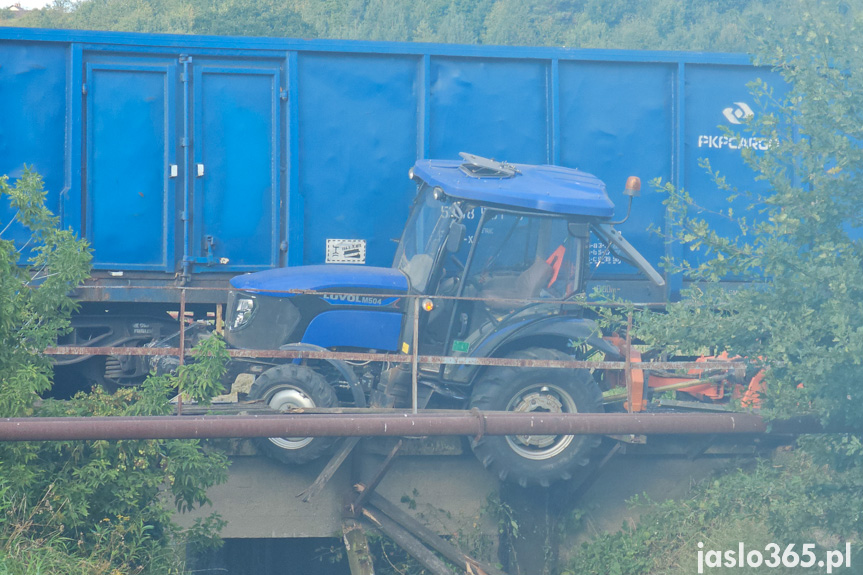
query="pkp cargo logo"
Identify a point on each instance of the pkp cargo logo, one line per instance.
(738, 114)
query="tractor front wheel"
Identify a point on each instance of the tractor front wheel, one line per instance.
(287, 387)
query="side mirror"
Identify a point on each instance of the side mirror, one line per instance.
(456, 237)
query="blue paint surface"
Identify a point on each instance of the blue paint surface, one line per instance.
(551, 189)
(357, 139)
(715, 99)
(238, 128)
(617, 121)
(32, 124)
(323, 277)
(355, 328)
(492, 108)
(130, 136)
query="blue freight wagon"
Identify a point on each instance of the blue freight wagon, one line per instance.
(186, 160)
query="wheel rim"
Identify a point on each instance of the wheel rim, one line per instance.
(285, 399)
(541, 398)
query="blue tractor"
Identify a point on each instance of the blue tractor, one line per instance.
(495, 250)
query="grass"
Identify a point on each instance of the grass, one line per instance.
(31, 545)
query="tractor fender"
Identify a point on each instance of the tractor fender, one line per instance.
(528, 333)
(342, 367)
(576, 330)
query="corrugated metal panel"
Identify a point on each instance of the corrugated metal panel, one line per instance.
(32, 117)
(617, 120)
(493, 108)
(357, 140)
(718, 96)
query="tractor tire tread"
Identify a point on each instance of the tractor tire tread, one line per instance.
(493, 390)
(316, 387)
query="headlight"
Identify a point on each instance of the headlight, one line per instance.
(243, 311)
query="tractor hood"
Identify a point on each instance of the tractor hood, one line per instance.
(332, 277)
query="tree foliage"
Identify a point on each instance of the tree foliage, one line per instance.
(713, 25)
(107, 503)
(799, 316)
(220, 17)
(32, 317)
(790, 499)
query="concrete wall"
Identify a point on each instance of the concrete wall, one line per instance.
(260, 499)
(444, 486)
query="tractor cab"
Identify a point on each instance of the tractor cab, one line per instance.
(493, 243)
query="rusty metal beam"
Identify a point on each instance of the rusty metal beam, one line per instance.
(328, 293)
(346, 448)
(181, 353)
(408, 542)
(402, 358)
(396, 424)
(430, 538)
(365, 490)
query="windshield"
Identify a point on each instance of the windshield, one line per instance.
(424, 233)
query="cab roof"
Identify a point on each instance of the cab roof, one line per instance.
(543, 188)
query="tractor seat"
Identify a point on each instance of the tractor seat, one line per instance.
(526, 286)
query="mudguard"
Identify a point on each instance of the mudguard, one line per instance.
(526, 333)
(342, 367)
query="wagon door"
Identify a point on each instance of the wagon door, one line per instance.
(130, 162)
(236, 169)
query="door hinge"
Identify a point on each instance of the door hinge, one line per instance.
(84, 88)
(283, 94)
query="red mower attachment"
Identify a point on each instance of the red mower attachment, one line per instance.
(712, 386)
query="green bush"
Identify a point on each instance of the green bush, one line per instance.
(776, 501)
(99, 505)
(798, 315)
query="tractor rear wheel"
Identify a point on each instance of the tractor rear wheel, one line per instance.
(287, 387)
(536, 459)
